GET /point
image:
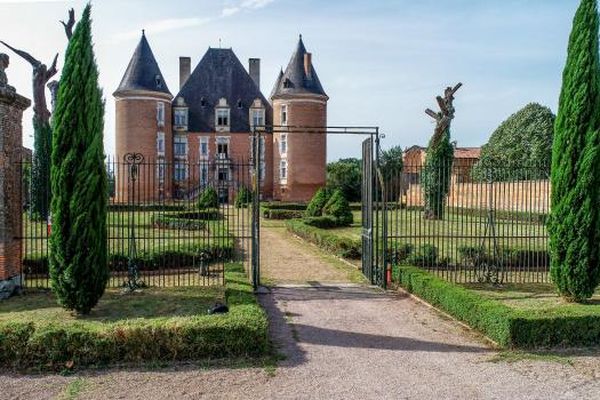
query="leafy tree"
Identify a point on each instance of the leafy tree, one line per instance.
(339, 208)
(243, 198)
(574, 225)
(78, 248)
(391, 165)
(346, 175)
(520, 148)
(40, 172)
(209, 198)
(436, 175)
(319, 200)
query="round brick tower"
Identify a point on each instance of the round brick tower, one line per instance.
(143, 125)
(300, 158)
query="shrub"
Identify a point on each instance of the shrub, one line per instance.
(170, 222)
(243, 332)
(319, 200)
(340, 246)
(78, 245)
(275, 205)
(209, 198)
(324, 222)
(243, 198)
(282, 214)
(207, 214)
(425, 256)
(398, 253)
(338, 207)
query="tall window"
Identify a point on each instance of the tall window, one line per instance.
(204, 173)
(258, 118)
(283, 171)
(180, 146)
(222, 117)
(222, 148)
(284, 114)
(160, 113)
(253, 148)
(160, 170)
(180, 171)
(223, 174)
(203, 147)
(160, 143)
(181, 115)
(283, 143)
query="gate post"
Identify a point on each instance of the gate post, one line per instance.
(12, 106)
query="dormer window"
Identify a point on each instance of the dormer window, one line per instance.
(181, 118)
(203, 102)
(222, 117)
(158, 81)
(257, 115)
(222, 120)
(287, 83)
(239, 103)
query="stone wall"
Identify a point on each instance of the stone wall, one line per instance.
(12, 106)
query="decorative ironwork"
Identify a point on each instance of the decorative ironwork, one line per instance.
(133, 161)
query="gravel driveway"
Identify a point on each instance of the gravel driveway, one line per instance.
(342, 341)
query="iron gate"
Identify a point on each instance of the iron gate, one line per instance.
(374, 215)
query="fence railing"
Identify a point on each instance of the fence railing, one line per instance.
(155, 224)
(490, 227)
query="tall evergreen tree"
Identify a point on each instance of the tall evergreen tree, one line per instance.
(574, 225)
(78, 253)
(40, 171)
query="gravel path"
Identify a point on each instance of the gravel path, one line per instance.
(343, 341)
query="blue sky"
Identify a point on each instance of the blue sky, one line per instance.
(381, 62)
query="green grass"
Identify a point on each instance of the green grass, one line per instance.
(148, 328)
(528, 316)
(75, 389)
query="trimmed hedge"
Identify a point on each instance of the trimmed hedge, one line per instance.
(171, 222)
(506, 326)
(340, 246)
(284, 206)
(145, 207)
(324, 222)
(207, 214)
(243, 332)
(280, 214)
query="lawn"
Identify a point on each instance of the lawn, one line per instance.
(154, 325)
(177, 248)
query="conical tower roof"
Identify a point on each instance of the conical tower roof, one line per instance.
(295, 80)
(143, 72)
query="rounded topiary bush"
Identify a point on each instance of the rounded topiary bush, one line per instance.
(318, 202)
(243, 198)
(208, 199)
(338, 207)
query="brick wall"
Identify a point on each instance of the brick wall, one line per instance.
(306, 153)
(136, 132)
(11, 133)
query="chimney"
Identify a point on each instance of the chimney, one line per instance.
(254, 69)
(185, 69)
(308, 64)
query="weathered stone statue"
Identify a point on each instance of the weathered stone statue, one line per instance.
(4, 61)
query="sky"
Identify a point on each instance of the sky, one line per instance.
(382, 62)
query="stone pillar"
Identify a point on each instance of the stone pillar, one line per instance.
(12, 106)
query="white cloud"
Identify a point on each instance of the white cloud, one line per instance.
(164, 25)
(245, 5)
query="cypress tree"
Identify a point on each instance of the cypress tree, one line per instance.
(78, 248)
(40, 171)
(574, 225)
(436, 174)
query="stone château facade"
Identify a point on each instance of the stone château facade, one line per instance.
(197, 137)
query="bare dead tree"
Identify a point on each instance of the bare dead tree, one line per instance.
(445, 116)
(69, 24)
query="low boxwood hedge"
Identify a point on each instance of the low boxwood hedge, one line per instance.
(340, 246)
(118, 207)
(280, 214)
(175, 223)
(275, 205)
(509, 327)
(56, 346)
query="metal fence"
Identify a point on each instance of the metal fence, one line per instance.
(156, 227)
(491, 226)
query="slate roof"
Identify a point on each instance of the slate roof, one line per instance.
(220, 74)
(295, 80)
(143, 72)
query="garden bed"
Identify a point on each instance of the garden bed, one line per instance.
(514, 316)
(156, 325)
